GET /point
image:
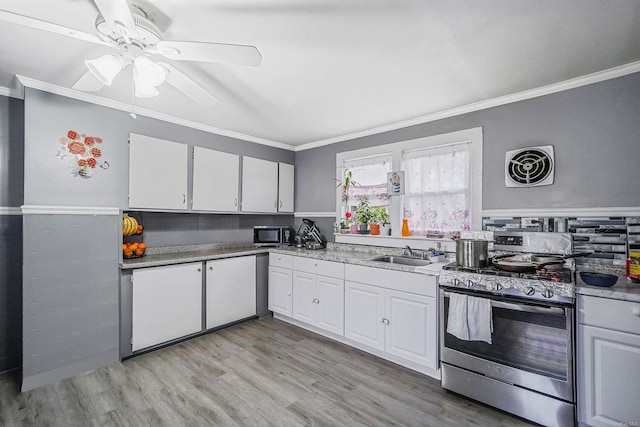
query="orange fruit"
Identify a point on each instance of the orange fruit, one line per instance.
(134, 246)
(124, 246)
(139, 252)
(142, 245)
(128, 252)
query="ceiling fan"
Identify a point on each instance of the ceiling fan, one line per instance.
(136, 40)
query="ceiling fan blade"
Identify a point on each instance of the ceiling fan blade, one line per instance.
(88, 83)
(210, 52)
(187, 86)
(27, 21)
(118, 15)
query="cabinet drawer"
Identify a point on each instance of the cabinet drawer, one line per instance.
(317, 266)
(609, 313)
(280, 260)
(420, 284)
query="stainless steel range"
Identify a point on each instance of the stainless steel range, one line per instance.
(507, 338)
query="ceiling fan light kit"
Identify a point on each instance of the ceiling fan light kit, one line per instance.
(105, 68)
(128, 29)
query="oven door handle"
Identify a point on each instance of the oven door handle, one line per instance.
(558, 311)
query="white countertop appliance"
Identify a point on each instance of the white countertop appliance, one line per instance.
(507, 338)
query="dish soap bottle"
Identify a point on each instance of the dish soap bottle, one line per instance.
(405, 228)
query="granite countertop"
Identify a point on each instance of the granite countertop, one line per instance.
(623, 289)
(347, 254)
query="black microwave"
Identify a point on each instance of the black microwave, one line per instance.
(272, 235)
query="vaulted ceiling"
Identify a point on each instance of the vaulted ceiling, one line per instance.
(333, 68)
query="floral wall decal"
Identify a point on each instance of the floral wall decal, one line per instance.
(81, 153)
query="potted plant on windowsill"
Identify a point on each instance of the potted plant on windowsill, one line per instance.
(364, 216)
(382, 219)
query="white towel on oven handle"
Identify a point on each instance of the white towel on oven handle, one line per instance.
(457, 324)
(479, 319)
(470, 318)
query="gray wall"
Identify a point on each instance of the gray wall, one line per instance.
(594, 129)
(11, 194)
(49, 117)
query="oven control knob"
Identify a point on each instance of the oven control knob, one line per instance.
(529, 290)
(470, 284)
(498, 287)
(547, 293)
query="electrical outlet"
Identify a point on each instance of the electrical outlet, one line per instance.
(529, 222)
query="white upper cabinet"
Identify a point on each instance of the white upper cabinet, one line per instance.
(157, 173)
(259, 185)
(285, 187)
(216, 176)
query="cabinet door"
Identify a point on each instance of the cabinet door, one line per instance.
(259, 185)
(330, 304)
(285, 187)
(608, 376)
(216, 178)
(412, 329)
(364, 314)
(280, 282)
(167, 304)
(231, 290)
(157, 173)
(304, 300)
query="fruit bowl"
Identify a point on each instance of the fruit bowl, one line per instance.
(133, 250)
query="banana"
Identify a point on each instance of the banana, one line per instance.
(134, 226)
(129, 225)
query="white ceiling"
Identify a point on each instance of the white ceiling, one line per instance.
(332, 68)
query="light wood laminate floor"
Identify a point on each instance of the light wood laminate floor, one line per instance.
(259, 373)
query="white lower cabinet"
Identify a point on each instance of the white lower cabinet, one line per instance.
(167, 304)
(399, 323)
(230, 290)
(280, 282)
(319, 301)
(608, 362)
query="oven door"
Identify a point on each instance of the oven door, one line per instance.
(532, 345)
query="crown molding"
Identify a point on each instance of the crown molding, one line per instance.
(117, 105)
(13, 92)
(68, 210)
(588, 79)
(562, 212)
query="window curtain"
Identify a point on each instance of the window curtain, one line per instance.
(370, 174)
(437, 199)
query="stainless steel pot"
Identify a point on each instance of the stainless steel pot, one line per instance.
(472, 253)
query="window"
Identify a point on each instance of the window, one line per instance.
(436, 200)
(370, 176)
(443, 182)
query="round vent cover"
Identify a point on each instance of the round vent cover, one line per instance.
(529, 167)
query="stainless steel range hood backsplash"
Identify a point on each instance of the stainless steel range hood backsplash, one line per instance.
(609, 238)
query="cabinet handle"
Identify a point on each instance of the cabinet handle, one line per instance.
(184, 199)
(211, 268)
(280, 203)
(235, 202)
(385, 321)
(199, 269)
(635, 311)
(316, 264)
(289, 294)
(275, 204)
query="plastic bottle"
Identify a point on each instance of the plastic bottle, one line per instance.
(633, 266)
(405, 228)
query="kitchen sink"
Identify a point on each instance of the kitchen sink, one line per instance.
(399, 259)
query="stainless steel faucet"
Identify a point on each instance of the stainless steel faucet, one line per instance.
(408, 250)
